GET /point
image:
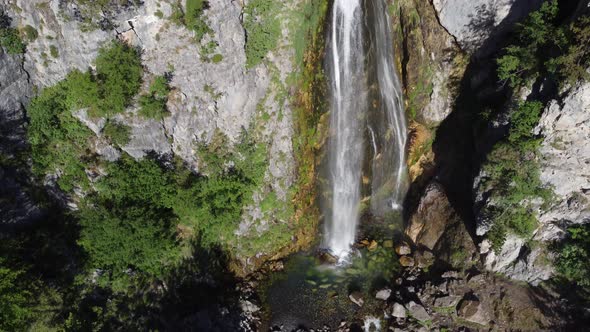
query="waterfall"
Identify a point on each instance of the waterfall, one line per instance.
(350, 79)
(348, 105)
(389, 180)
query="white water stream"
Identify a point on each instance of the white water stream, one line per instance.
(349, 102)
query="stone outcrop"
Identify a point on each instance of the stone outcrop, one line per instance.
(479, 25)
(565, 168)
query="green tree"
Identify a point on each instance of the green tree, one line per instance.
(14, 310)
(573, 259)
(117, 133)
(118, 73)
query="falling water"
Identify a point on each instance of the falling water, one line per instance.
(389, 182)
(348, 105)
(362, 74)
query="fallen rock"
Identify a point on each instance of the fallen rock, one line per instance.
(327, 258)
(424, 259)
(398, 311)
(471, 310)
(447, 301)
(403, 249)
(373, 245)
(383, 294)
(450, 275)
(406, 261)
(357, 298)
(417, 311)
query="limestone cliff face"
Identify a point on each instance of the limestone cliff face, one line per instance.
(208, 97)
(565, 168)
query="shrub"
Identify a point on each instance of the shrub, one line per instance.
(117, 133)
(153, 104)
(137, 237)
(263, 29)
(217, 58)
(573, 260)
(118, 73)
(30, 33)
(512, 173)
(11, 41)
(14, 311)
(194, 18)
(53, 51)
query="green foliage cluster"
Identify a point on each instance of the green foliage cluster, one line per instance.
(118, 75)
(542, 47)
(58, 140)
(573, 261)
(14, 310)
(117, 133)
(193, 18)
(10, 39)
(30, 33)
(153, 104)
(263, 29)
(512, 171)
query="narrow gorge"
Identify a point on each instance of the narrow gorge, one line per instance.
(297, 165)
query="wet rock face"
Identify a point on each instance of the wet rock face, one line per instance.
(480, 23)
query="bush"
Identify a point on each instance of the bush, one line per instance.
(118, 74)
(117, 133)
(512, 173)
(153, 104)
(11, 41)
(573, 260)
(14, 311)
(53, 51)
(194, 18)
(263, 29)
(30, 33)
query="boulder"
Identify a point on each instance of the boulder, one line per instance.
(447, 301)
(472, 310)
(436, 226)
(406, 261)
(398, 311)
(383, 294)
(357, 298)
(403, 249)
(417, 311)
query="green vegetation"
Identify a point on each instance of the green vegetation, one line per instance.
(10, 39)
(58, 140)
(118, 74)
(543, 48)
(117, 133)
(153, 104)
(193, 19)
(29, 33)
(512, 171)
(263, 29)
(53, 51)
(573, 261)
(14, 309)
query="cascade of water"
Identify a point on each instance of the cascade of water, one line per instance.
(389, 179)
(348, 104)
(349, 100)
